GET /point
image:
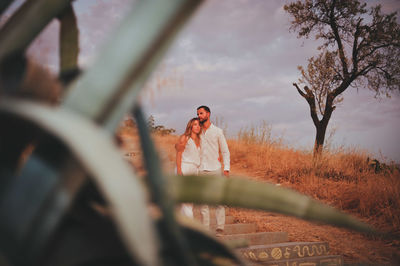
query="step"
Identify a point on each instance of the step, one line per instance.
(231, 229)
(261, 238)
(197, 215)
(289, 250)
(213, 221)
(329, 260)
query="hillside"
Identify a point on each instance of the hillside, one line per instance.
(344, 179)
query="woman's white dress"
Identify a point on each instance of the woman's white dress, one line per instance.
(190, 166)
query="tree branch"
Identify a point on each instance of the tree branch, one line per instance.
(334, 28)
(355, 46)
(311, 102)
(329, 108)
(300, 91)
(366, 69)
(374, 49)
(343, 86)
(387, 74)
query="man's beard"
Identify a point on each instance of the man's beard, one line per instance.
(202, 121)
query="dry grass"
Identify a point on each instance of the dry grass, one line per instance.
(342, 178)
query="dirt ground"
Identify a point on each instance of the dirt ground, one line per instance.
(356, 248)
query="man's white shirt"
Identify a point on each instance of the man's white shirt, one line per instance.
(213, 141)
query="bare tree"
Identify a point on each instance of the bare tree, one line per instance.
(360, 48)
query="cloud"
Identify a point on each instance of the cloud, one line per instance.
(45, 48)
(262, 100)
(96, 21)
(243, 63)
(239, 58)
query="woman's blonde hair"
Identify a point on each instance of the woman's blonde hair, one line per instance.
(188, 131)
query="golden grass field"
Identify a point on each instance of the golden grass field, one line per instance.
(344, 179)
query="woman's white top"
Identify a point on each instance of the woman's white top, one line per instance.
(191, 154)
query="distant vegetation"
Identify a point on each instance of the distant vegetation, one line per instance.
(129, 122)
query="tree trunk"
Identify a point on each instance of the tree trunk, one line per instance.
(321, 127)
(319, 139)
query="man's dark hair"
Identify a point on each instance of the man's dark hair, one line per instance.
(205, 108)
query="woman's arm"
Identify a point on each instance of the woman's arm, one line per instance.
(182, 143)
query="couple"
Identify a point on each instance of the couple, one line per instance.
(198, 152)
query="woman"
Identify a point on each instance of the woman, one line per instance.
(188, 160)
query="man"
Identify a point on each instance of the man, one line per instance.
(212, 142)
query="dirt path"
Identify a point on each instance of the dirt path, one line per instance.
(356, 248)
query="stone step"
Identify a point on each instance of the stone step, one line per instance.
(289, 250)
(197, 215)
(213, 221)
(261, 238)
(231, 229)
(196, 211)
(228, 220)
(329, 260)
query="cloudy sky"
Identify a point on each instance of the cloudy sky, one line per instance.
(239, 58)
